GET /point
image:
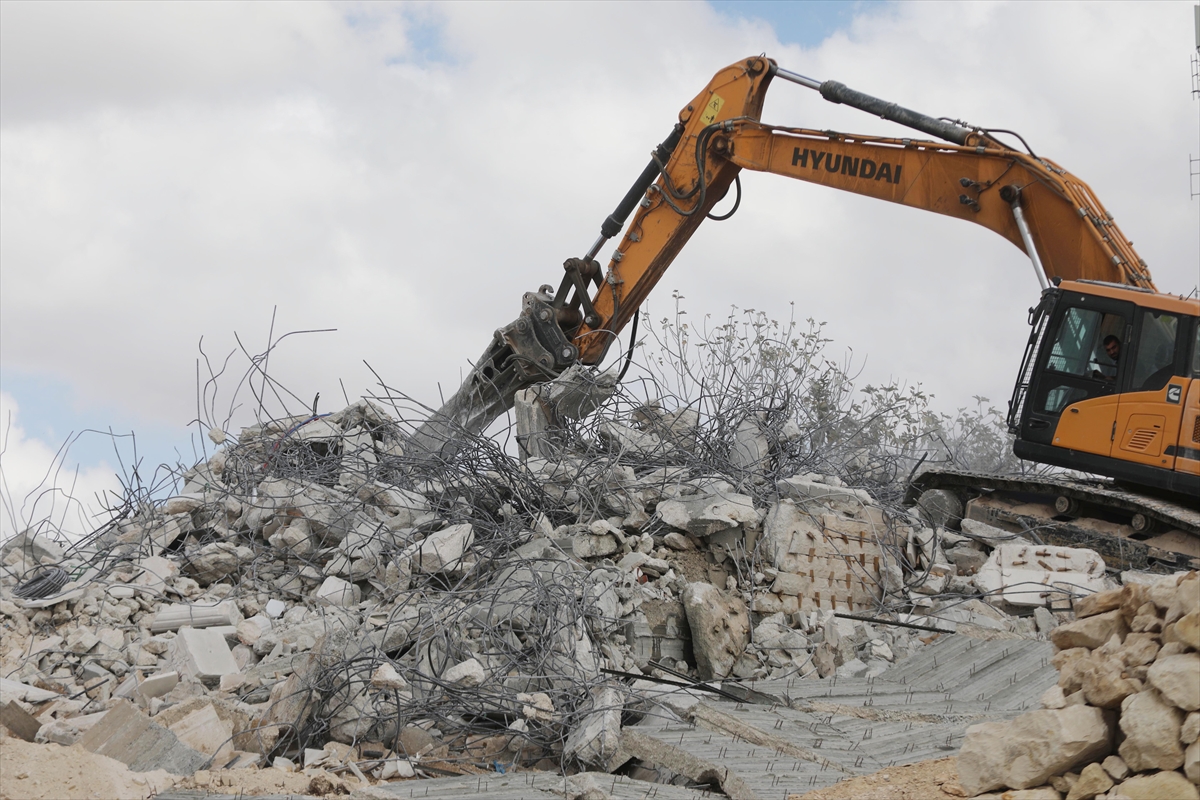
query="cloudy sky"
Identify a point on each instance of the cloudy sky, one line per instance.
(177, 173)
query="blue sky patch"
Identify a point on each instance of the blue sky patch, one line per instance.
(806, 23)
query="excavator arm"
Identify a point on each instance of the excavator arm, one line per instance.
(1038, 206)
(1035, 204)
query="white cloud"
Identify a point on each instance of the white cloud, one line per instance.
(175, 171)
(40, 481)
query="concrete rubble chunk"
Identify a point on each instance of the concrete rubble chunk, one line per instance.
(195, 615)
(803, 487)
(1025, 752)
(1026, 574)
(158, 685)
(720, 628)
(129, 736)
(202, 654)
(595, 739)
(337, 592)
(708, 514)
(1151, 729)
(386, 677)
(442, 551)
(466, 673)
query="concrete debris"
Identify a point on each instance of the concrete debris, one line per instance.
(313, 599)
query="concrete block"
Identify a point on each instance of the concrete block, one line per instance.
(275, 608)
(195, 615)
(202, 654)
(22, 724)
(129, 736)
(158, 685)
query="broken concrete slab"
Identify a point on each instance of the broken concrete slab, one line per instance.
(1028, 575)
(129, 736)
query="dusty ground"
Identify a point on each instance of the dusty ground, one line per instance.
(51, 772)
(925, 780)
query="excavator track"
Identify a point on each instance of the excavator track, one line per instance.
(1129, 530)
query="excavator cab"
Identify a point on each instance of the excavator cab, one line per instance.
(1135, 416)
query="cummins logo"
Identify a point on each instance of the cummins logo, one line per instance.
(854, 167)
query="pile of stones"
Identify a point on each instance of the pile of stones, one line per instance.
(1124, 719)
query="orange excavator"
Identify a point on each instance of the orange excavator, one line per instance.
(1110, 379)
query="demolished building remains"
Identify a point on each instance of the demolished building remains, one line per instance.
(610, 619)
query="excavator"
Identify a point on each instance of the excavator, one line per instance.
(1108, 385)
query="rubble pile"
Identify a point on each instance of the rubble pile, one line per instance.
(315, 599)
(1123, 720)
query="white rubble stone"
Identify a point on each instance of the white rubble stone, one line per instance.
(275, 608)
(158, 685)
(337, 592)
(629, 439)
(1191, 762)
(990, 534)
(202, 654)
(710, 513)
(854, 668)
(1116, 767)
(805, 487)
(1028, 750)
(1178, 679)
(1053, 697)
(1190, 730)
(386, 677)
(1021, 573)
(1151, 727)
(590, 545)
(750, 450)
(251, 630)
(1166, 785)
(183, 504)
(465, 673)
(720, 628)
(442, 551)
(596, 738)
(677, 541)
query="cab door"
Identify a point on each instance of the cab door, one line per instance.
(1073, 398)
(1151, 407)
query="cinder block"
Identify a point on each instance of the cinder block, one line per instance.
(202, 654)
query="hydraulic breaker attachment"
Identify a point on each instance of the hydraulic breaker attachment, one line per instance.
(530, 349)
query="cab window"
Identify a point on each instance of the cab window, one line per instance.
(1086, 345)
(1154, 363)
(1196, 353)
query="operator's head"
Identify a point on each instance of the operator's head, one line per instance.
(1112, 346)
